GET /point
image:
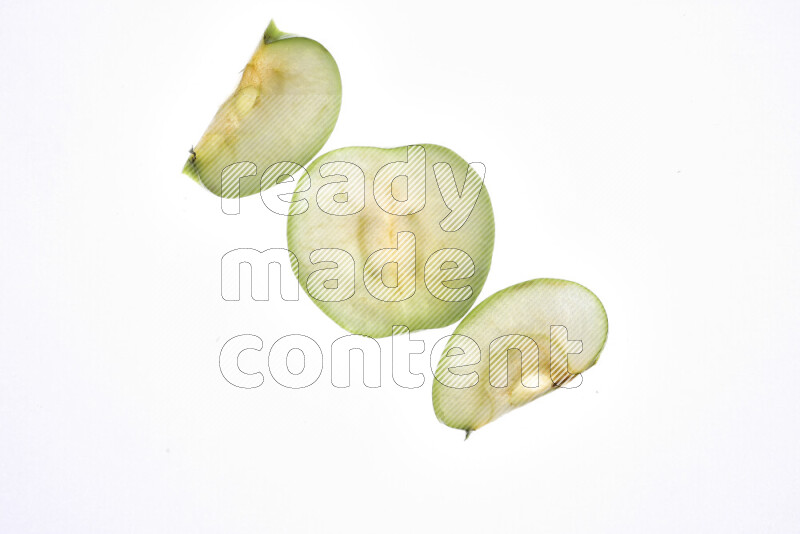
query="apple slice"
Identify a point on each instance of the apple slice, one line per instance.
(284, 110)
(391, 237)
(517, 345)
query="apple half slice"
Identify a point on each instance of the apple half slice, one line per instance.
(517, 345)
(283, 110)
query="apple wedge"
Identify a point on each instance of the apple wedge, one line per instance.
(284, 109)
(517, 345)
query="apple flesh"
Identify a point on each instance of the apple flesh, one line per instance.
(516, 346)
(391, 237)
(284, 109)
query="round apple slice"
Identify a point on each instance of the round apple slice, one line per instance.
(283, 110)
(517, 345)
(391, 237)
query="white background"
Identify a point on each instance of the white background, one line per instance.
(648, 150)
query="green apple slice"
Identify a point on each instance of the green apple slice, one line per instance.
(391, 237)
(283, 110)
(517, 345)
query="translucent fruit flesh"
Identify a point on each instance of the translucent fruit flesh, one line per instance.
(284, 109)
(555, 329)
(413, 261)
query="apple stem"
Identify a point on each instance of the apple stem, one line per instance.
(467, 433)
(272, 33)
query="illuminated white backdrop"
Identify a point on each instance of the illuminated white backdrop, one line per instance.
(648, 150)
